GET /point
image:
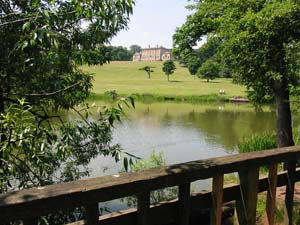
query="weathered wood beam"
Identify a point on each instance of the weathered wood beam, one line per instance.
(271, 196)
(92, 214)
(143, 208)
(41, 201)
(199, 201)
(184, 204)
(290, 189)
(246, 203)
(217, 200)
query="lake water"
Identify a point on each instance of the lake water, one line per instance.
(184, 132)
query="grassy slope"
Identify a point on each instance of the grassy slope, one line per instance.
(126, 79)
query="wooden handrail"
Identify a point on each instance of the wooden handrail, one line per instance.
(36, 202)
(199, 201)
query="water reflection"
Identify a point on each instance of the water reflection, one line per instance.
(185, 132)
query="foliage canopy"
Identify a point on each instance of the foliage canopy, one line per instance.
(259, 38)
(148, 70)
(169, 67)
(209, 70)
(42, 44)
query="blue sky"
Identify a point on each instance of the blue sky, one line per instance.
(153, 23)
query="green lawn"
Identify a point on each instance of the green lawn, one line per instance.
(126, 79)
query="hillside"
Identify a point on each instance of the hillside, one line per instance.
(126, 79)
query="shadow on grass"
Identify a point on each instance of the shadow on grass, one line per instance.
(176, 81)
(213, 82)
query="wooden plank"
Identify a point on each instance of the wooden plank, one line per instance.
(246, 204)
(143, 208)
(235, 218)
(40, 201)
(198, 201)
(290, 189)
(217, 200)
(92, 214)
(32, 221)
(184, 202)
(271, 196)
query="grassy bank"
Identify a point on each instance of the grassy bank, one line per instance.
(149, 98)
(126, 79)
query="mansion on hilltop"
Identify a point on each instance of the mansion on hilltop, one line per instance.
(153, 54)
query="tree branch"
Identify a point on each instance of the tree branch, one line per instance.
(46, 94)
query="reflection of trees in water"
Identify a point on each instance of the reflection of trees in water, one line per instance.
(228, 127)
(232, 126)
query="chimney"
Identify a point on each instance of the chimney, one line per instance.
(149, 46)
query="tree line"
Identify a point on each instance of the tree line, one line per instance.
(111, 53)
(120, 53)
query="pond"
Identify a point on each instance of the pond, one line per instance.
(184, 132)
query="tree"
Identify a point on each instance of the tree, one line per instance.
(193, 64)
(209, 70)
(257, 37)
(120, 53)
(41, 44)
(148, 70)
(135, 48)
(210, 50)
(169, 67)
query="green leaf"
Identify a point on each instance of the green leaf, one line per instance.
(26, 26)
(125, 162)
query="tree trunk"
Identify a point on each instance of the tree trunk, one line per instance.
(148, 75)
(207, 80)
(284, 117)
(168, 78)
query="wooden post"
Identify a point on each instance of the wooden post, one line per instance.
(235, 218)
(217, 200)
(92, 214)
(246, 203)
(143, 208)
(290, 188)
(32, 221)
(184, 202)
(271, 196)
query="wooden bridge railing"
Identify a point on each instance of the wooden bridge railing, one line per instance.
(28, 205)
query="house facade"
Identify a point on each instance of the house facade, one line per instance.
(153, 54)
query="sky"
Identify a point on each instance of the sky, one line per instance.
(153, 23)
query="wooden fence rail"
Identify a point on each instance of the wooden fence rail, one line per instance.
(28, 205)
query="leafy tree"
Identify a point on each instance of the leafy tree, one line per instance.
(148, 70)
(135, 48)
(169, 67)
(120, 53)
(210, 50)
(193, 64)
(42, 44)
(209, 70)
(259, 38)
